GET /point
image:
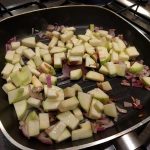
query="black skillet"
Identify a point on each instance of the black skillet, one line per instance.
(91, 2)
(80, 17)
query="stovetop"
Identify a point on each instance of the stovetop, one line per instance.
(135, 11)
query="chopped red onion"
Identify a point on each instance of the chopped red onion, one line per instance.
(32, 31)
(98, 84)
(42, 137)
(147, 88)
(62, 27)
(52, 117)
(21, 123)
(36, 30)
(133, 80)
(128, 77)
(125, 83)
(137, 106)
(50, 27)
(132, 75)
(146, 67)
(13, 39)
(103, 121)
(141, 61)
(101, 128)
(137, 84)
(40, 34)
(127, 104)
(7, 47)
(66, 70)
(35, 94)
(95, 56)
(37, 89)
(110, 124)
(58, 28)
(49, 129)
(140, 115)
(116, 119)
(136, 103)
(40, 109)
(101, 124)
(40, 70)
(97, 127)
(94, 127)
(120, 36)
(96, 29)
(112, 32)
(121, 110)
(48, 80)
(86, 115)
(23, 128)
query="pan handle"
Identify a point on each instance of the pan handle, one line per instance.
(128, 141)
(132, 141)
(144, 136)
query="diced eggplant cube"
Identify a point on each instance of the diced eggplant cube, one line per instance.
(33, 127)
(53, 42)
(58, 129)
(78, 113)
(44, 120)
(106, 86)
(8, 87)
(29, 42)
(41, 45)
(47, 58)
(65, 135)
(81, 134)
(69, 119)
(9, 55)
(15, 45)
(16, 58)
(95, 76)
(29, 53)
(7, 70)
(34, 102)
(20, 108)
(68, 104)
(69, 92)
(85, 100)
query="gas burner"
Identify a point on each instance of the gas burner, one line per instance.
(140, 7)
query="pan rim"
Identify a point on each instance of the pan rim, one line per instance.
(101, 141)
(5, 133)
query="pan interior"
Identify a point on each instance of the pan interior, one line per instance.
(80, 17)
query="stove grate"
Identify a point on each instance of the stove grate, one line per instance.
(8, 10)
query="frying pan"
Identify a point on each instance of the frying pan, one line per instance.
(91, 2)
(80, 17)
